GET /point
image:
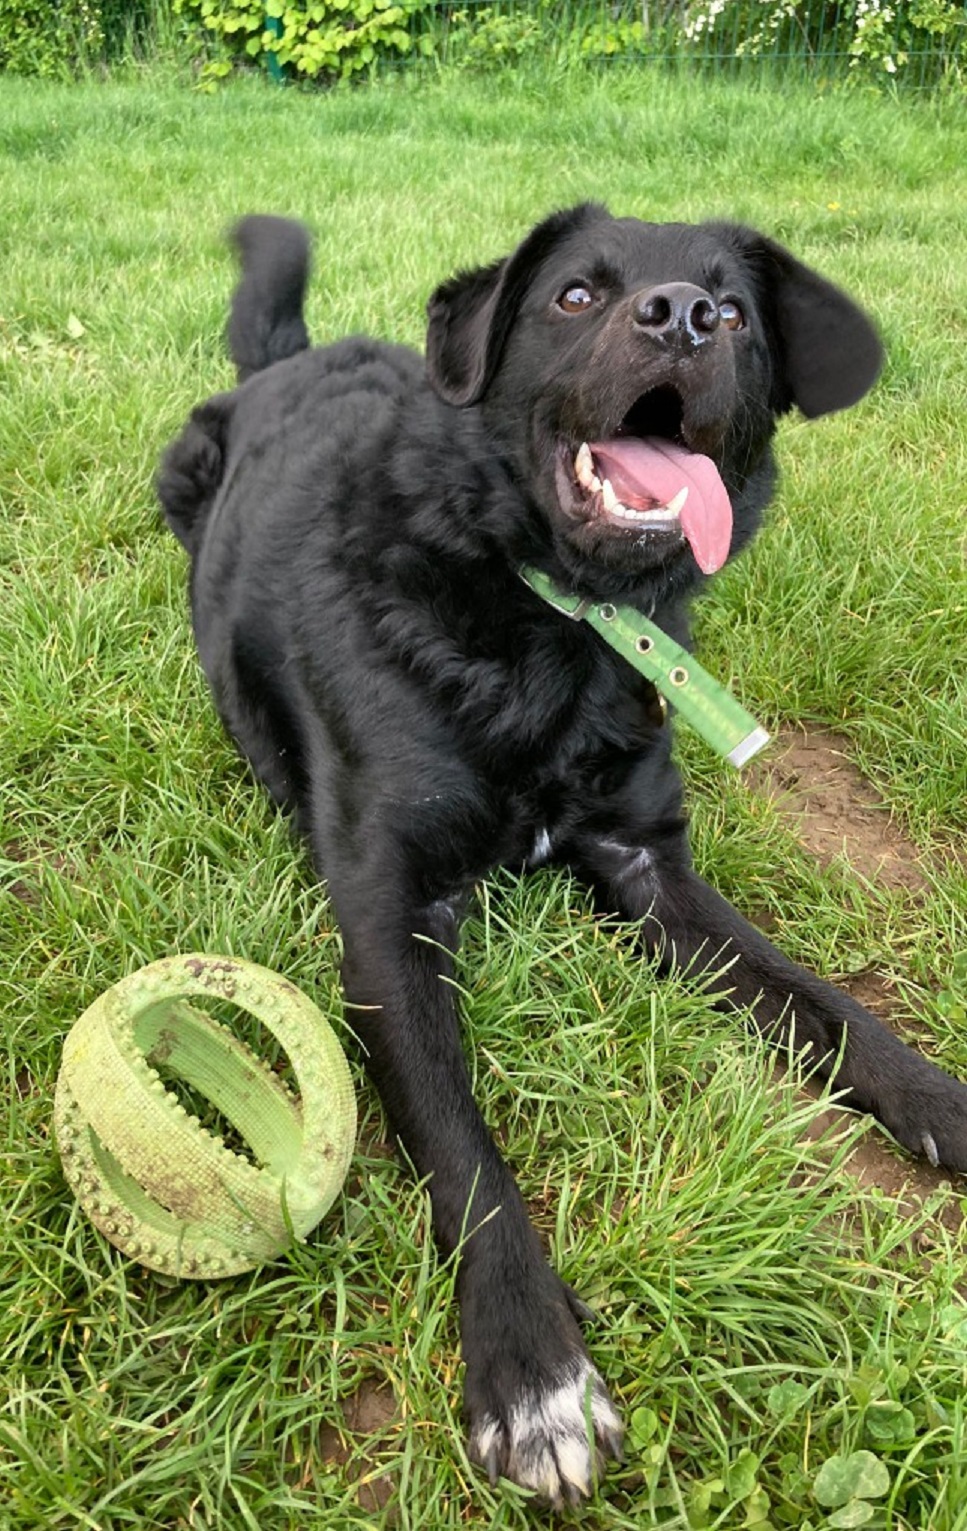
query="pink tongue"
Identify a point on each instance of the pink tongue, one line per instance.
(651, 472)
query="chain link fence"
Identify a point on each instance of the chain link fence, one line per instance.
(918, 42)
(921, 43)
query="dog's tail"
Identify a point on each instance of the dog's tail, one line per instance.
(266, 324)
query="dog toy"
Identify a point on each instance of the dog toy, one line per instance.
(157, 1182)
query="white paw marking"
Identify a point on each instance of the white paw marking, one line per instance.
(545, 1443)
(540, 850)
(636, 861)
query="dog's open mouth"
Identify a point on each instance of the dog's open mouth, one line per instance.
(655, 487)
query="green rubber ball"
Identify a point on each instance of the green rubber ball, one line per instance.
(153, 1179)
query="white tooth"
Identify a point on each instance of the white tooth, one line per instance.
(611, 501)
(674, 506)
(583, 463)
(594, 484)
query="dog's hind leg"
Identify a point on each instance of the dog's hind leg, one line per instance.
(258, 712)
(693, 929)
(191, 471)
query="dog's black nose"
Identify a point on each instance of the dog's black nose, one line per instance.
(677, 310)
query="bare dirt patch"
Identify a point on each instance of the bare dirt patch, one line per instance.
(367, 1412)
(838, 815)
(874, 1162)
(835, 811)
(871, 991)
(31, 859)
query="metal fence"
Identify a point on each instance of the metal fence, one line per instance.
(920, 43)
(915, 42)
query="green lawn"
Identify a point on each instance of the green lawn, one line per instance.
(759, 1314)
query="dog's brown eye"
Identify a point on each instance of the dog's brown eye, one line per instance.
(731, 315)
(575, 300)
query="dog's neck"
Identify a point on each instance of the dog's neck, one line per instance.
(702, 702)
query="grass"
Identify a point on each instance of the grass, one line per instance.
(759, 1314)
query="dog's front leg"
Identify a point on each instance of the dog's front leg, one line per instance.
(530, 1388)
(695, 930)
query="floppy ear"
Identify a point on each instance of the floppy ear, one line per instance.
(470, 316)
(829, 351)
(463, 336)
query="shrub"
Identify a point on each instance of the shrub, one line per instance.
(59, 38)
(332, 39)
(49, 39)
(489, 36)
(888, 36)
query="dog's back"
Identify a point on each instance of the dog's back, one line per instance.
(265, 326)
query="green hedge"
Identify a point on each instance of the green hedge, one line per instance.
(329, 40)
(37, 38)
(58, 38)
(332, 40)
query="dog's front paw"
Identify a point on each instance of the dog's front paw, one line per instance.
(924, 1108)
(553, 1437)
(928, 1115)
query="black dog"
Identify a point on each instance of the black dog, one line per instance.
(357, 521)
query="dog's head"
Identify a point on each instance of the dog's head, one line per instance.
(633, 374)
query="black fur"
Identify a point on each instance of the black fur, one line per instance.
(356, 521)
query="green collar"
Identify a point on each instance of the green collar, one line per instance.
(706, 706)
